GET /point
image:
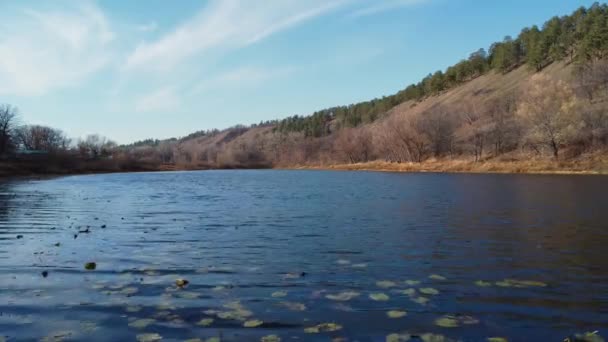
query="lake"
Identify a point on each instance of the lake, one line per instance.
(308, 255)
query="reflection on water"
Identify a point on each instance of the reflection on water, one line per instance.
(277, 255)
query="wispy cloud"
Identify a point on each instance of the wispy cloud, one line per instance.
(225, 24)
(368, 8)
(147, 27)
(161, 100)
(245, 76)
(41, 51)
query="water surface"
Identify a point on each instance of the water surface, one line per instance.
(465, 256)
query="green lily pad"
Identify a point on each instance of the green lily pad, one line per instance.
(412, 282)
(429, 291)
(396, 314)
(428, 337)
(409, 292)
(90, 266)
(398, 338)
(293, 306)
(213, 339)
(343, 296)
(133, 308)
(343, 262)
(323, 327)
(205, 322)
(149, 337)
(379, 297)
(447, 322)
(360, 265)
(482, 283)
(270, 338)
(437, 277)
(142, 323)
(278, 294)
(129, 291)
(497, 339)
(254, 323)
(385, 284)
(420, 300)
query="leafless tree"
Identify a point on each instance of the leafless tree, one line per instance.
(549, 108)
(8, 121)
(41, 138)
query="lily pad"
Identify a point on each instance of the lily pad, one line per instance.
(429, 291)
(188, 295)
(379, 297)
(385, 284)
(497, 339)
(293, 306)
(254, 323)
(409, 292)
(213, 339)
(133, 308)
(343, 296)
(447, 322)
(142, 323)
(205, 322)
(278, 294)
(181, 282)
(410, 282)
(323, 327)
(90, 266)
(398, 338)
(149, 337)
(437, 277)
(270, 338)
(482, 283)
(361, 265)
(129, 291)
(420, 300)
(428, 337)
(343, 262)
(396, 314)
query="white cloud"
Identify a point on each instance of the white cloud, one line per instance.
(225, 24)
(162, 100)
(375, 7)
(41, 51)
(148, 27)
(242, 77)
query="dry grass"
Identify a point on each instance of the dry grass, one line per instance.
(594, 163)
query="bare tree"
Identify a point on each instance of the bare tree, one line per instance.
(438, 125)
(355, 144)
(590, 78)
(42, 138)
(8, 121)
(96, 146)
(548, 109)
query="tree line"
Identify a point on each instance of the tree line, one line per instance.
(581, 37)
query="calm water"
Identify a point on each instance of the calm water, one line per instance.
(466, 256)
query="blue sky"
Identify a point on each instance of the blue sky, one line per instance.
(131, 70)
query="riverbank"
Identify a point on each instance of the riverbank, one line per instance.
(594, 164)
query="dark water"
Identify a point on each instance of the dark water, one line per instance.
(287, 250)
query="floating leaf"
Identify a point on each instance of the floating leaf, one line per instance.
(253, 323)
(428, 337)
(133, 308)
(398, 338)
(141, 323)
(420, 300)
(343, 296)
(219, 288)
(362, 265)
(437, 277)
(213, 339)
(343, 262)
(270, 338)
(323, 327)
(379, 297)
(181, 282)
(57, 336)
(129, 291)
(409, 292)
(447, 322)
(412, 282)
(497, 339)
(149, 337)
(429, 291)
(294, 306)
(385, 284)
(396, 314)
(482, 283)
(586, 337)
(194, 340)
(90, 266)
(205, 322)
(278, 294)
